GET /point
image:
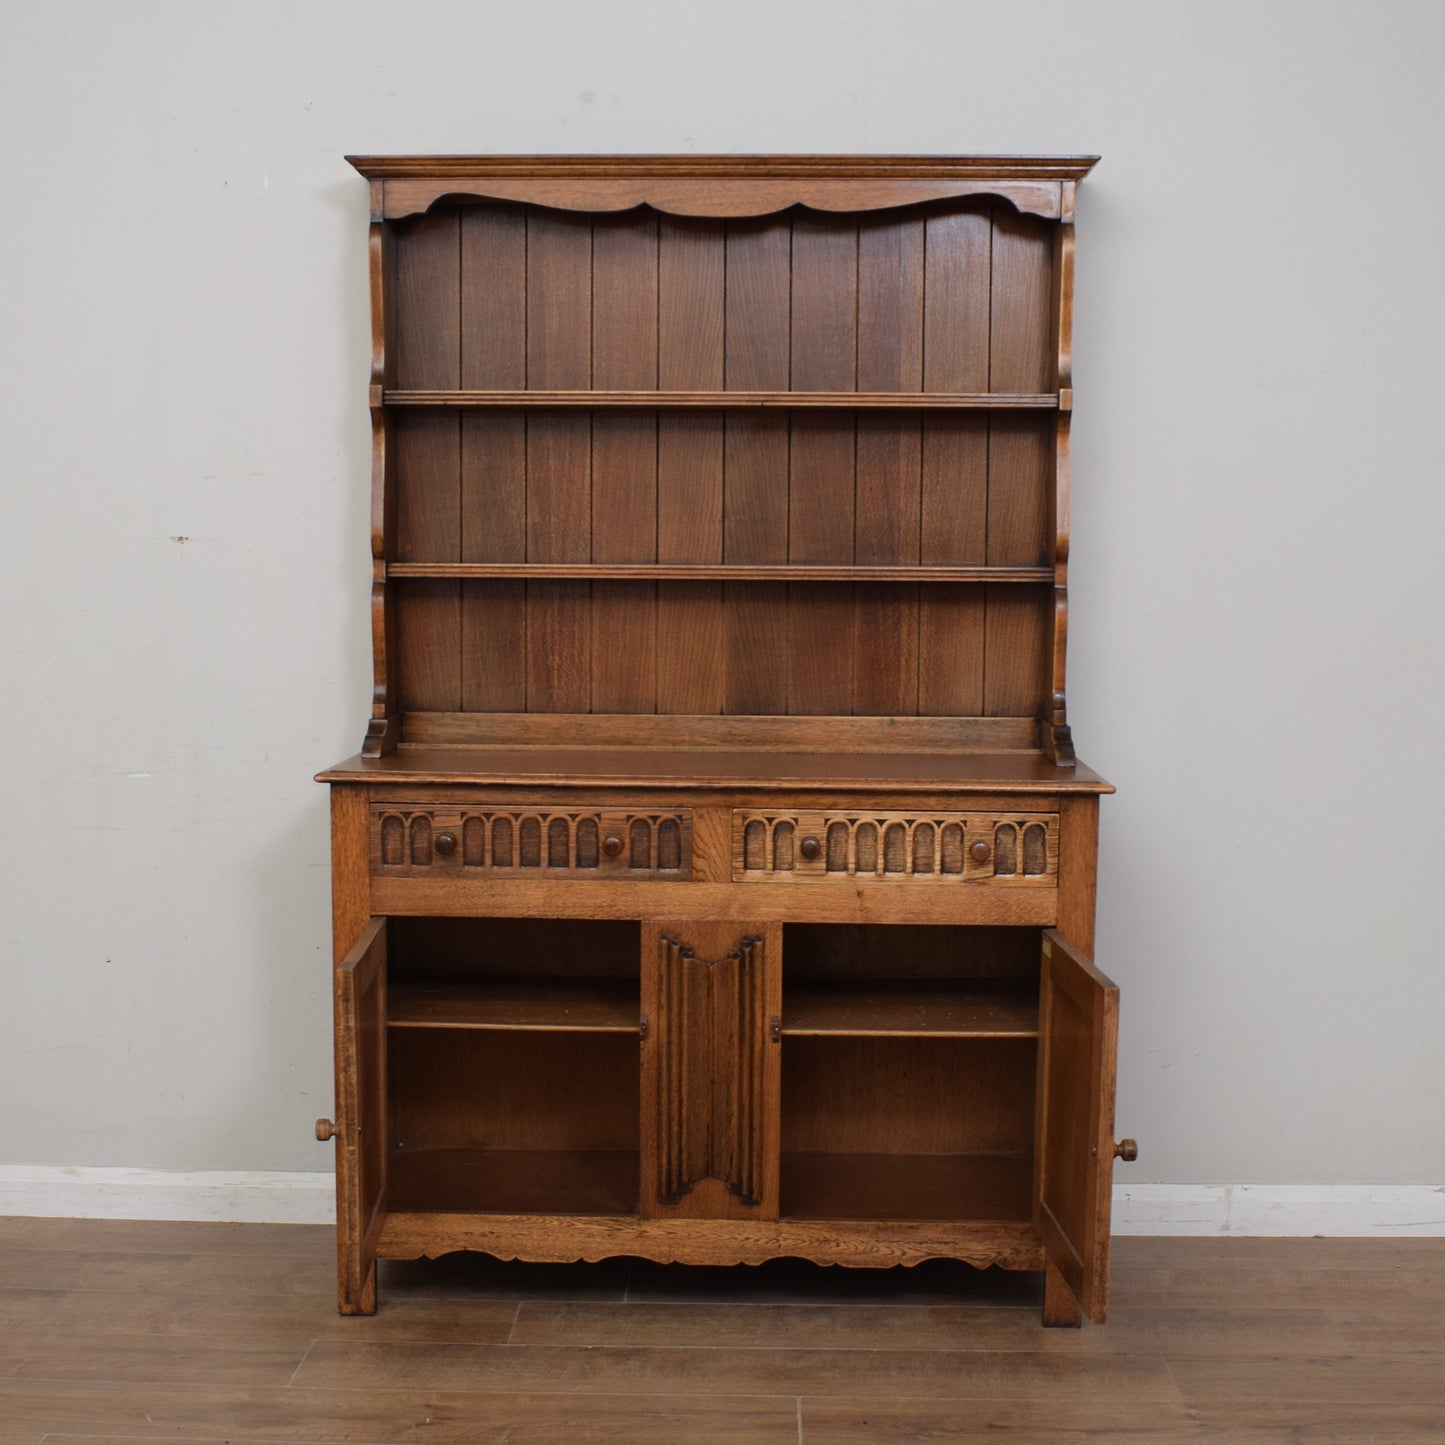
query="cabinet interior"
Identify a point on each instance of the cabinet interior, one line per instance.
(909, 1055)
(512, 1065)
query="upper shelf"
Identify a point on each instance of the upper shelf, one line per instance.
(789, 400)
(721, 185)
(719, 572)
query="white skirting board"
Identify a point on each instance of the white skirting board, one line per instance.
(282, 1197)
(230, 1195)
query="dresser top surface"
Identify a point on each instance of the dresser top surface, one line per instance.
(752, 769)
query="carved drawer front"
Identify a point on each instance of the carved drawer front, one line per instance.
(1013, 850)
(520, 842)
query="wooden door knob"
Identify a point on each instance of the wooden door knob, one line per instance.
(810, 848)
(1127, 1150)
(612, 845)
(325, 1130)
(446, 843)
(980, 851)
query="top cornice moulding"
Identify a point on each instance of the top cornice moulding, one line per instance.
(1053, 168)
(750, 185)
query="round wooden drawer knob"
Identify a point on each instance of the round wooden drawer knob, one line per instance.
(325, 1130)
(612, 845)
(1127, 1150)
(980, 851)
(810, 848)
(446, 843)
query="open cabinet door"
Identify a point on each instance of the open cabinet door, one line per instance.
(361, 1116)
(1074, 1157)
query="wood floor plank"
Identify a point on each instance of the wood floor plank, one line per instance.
(1332, 1423)
(895, 1327)
(792, 1281)
(1019, 1422)
(116, 1331)
(250, 1317)
(1237, 1254)
(1305, 1289)
(136, 1274)
(978, 1374)
(167, 1236)
(1274, 1379)
(367, 1417)
(232, 1360)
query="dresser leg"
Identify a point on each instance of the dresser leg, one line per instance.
(1061, 1305)
(363, 1301)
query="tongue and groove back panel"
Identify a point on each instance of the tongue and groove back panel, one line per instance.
(955, 297)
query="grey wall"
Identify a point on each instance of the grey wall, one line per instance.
(1255, 643)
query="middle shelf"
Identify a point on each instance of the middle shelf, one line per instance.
(929, 1008)
(733, 400)
(556, 1005)
(925, 1008)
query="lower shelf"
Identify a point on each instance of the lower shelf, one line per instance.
(513, 1181)
(908, 1186)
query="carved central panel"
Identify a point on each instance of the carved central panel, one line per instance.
(710, 1085)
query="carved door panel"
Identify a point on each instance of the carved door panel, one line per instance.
(360, 987)
(710, 1070)
(1078, 1038)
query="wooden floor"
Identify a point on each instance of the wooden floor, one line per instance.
(207, 1332)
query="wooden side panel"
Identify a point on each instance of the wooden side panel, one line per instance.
(493, 456)
(954, 529)
(710, 1070)
(384, 727)
(823, 455)
(690, 659)
(559, 512)
(1078, 1035)
(1057, 740)
(360, 1000)
(624, 462)
(888, 493)
(759, 268)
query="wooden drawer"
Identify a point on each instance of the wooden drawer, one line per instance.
(1009, 849)
(531, 842)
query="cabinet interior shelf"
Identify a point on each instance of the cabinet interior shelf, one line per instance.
(907, 1186)
(734, 400)
(722, 572)
(924, 1009)
(513, 1181)
(554, 1005)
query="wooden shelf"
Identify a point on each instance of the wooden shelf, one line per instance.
(513, 1181)
(723, 572)
(733, 400)
(907, 1186)
(969, 1009)
(555, 1005)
